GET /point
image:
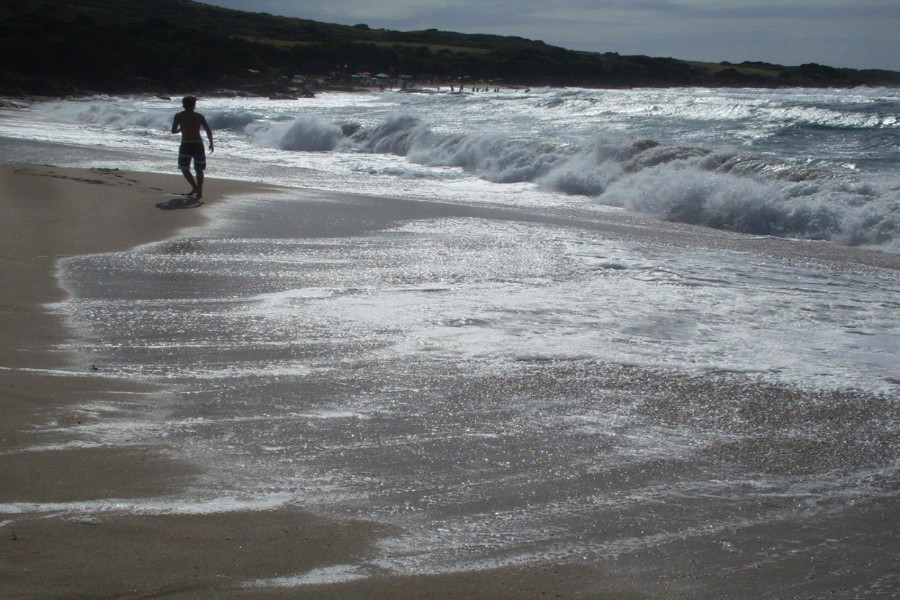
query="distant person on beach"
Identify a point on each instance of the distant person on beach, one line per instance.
(188, 123)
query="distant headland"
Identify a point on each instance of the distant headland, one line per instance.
(78, 47)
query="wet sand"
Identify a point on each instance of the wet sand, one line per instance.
(47, 213)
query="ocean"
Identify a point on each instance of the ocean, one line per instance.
(553, 341)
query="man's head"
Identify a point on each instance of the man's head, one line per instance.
(189, 102)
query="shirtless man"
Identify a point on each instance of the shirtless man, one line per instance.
(188, 123)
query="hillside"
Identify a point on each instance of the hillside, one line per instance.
(79, 46)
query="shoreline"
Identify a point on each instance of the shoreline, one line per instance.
(109, 519)
(49, 213)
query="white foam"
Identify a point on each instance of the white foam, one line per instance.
(322, 576)
(578, 142)
(54, 372)
(150, 506)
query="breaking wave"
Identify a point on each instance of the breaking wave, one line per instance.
(768, 192)
(744, 193)
(307, 134)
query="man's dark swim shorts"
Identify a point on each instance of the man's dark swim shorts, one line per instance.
(192, 150)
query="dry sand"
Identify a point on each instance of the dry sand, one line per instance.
(47, 213)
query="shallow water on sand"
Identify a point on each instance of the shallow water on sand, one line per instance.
(516, 391)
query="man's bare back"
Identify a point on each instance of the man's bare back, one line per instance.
(189, 123)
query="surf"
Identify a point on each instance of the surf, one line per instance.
(804, 164)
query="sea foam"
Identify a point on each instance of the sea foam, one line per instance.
(794, 163)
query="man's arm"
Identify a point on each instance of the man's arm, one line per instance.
(209, 135)
(176, 124)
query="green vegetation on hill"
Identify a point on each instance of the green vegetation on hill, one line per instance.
(58, 47)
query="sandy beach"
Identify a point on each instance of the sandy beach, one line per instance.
(49, 213)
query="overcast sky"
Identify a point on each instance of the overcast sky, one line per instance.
(840, 33)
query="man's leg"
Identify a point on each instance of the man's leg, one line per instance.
(199, 186)
(199, 167)
(190, 179)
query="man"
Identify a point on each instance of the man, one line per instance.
(188, 123)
